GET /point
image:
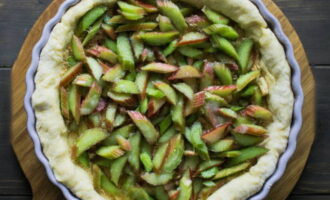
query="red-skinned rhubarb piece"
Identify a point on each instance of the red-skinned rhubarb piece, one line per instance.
(114, 74)
(123, 143)
(169, 92)
(222, 91)
(197, 21)
(105, 67)
(101, 105)
(78, 49)
(64, 97)
(192, 38)
(208, 75)
(257, 112)
(147, 7)
(109, 30)
(216, 134)
(122, 99)
(103, 53)
(84, 80)
(145, 126)
(70, 74)
(91, 100)
(185, 72)
(154, 105)
(250, 129)
(74, 102)
(160, 68)
(197, 101)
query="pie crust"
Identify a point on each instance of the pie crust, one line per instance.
(53, 132)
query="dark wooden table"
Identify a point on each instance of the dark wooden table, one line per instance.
(311, 18)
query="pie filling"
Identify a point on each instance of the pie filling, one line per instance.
(163, 100)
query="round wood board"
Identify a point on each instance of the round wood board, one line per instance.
(42, 188)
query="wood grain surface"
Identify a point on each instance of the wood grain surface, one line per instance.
(23, 147)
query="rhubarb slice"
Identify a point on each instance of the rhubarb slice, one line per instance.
(185, 72)
(216, 134)
(172, 11)
(160, 68)
(169, 92)
(89, 138)
(92, 99)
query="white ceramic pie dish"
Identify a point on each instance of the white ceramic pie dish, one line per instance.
(296, 87)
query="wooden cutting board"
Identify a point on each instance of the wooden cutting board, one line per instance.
(35, 172)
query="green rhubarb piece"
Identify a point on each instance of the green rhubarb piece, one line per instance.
(172, 11)
(215, 98)
(226, 112)
(103, 162)
(130, 11)
(225, 46)
(116, 169)
(141, 82)
(103, 53)
(123, 131)
(110, 44)
(158, 38)
(194, 137)
(249, 91)
(114, 74)
(230, 154)
(175, 152)
(146, 161)
(223, 30)
(157, 179)
(71, 61)
(134, 154)
(244, 52)
(159, 156)
(91, 100)
(223, 74)
(119, 120)
(169, 92)
(138, 193)
(223, 173)
(190, 52)
(137, 46)
(257, 97)
(95, 68)
(165, 24)
(89, 18)
(185, 187)
(170, 48)
(247, 140)
(110, 152)
(109, 187)
(84, 80)
(138, 26)
(214, 16)
(83, 160)
(185, 89)
(165, 124)
(125, 53)
(245, 79)
(77, 49)
(145, 126)
(125, 86)
(222, 145)
(178, 114)
(74, 102)
(159, 68)
(64, 98)
(92, 32)
(209, 173)
(152, 92)
(89, 138)
(247, 154)
(160, 193)
(168, 134)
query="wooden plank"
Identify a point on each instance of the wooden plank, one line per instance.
(311, 21)
(16, 18)
(309, 197)
(12, 180)
(316, 176)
